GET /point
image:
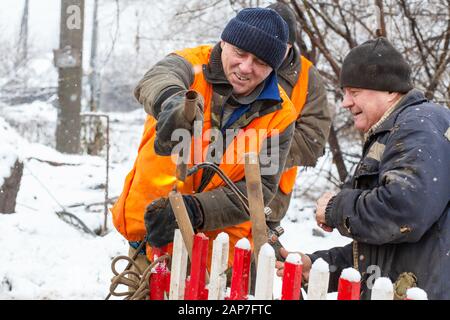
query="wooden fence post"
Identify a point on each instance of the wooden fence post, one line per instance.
(178, 268)
(319, 277)
(241, 270)
(159, 281)
(265, 273)
(292, 277)
(219, 264)
(195, 286)
(349, 286)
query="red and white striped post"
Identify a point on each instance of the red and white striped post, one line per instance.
(160, 277)
(416, 294)
(178, 269)
(382, 289)
(195, 285)
(241, 270)
(319, 278)
(219, 264)
(349, 286)
(292, 277)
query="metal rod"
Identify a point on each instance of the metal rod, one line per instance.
(241, 196)
(190, 103)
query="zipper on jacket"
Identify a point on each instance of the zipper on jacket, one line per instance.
(355, 255)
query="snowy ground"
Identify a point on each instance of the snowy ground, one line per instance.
(43, 257)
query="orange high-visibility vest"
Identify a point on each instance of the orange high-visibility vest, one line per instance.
(298, 98)
(153, 176)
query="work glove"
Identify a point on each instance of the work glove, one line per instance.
(160, 220)
(171, 118)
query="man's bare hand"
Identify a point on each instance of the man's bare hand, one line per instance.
(305, 260)
(321, 205)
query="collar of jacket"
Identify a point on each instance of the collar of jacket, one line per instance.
(413, 97)
(290, 69)
(270, 90)
(384, 117)
(213, 71)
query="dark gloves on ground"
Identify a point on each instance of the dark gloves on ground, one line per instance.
(172, 117)
(160, 220)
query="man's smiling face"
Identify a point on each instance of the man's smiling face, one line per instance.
(367, 106)
(243, 70)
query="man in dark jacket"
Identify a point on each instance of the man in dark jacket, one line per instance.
(397, 209)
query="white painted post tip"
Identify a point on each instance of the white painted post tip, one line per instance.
(320, 265)
(223, 237)
(243, 244)
(267, 251)
(383, 283)
(294, 258)
(351, 274)
(416, 294)
(383, 289)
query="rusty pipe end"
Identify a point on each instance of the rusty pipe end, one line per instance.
(190, 100)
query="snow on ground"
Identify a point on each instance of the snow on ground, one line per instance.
(43, 257)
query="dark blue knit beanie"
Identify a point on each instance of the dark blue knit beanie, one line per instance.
(260, 31)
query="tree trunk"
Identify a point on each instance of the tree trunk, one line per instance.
(10, 189)
(381, 24)
(92, 137)
(69, 62)
(22, 47)
(338, 159)
(94, 75)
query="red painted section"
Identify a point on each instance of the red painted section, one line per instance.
(348, 290)
(240, 275)
(292, 281)
(195, 285)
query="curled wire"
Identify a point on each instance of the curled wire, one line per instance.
(241, 196)
(137, 280)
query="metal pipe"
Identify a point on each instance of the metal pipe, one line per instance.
(190, 105)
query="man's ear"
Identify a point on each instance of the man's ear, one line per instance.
(222, 43)
(393, 96)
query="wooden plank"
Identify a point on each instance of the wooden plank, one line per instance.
(256, 202)
(319, 277)
(218, 280)
(178, 268)
(265, 273)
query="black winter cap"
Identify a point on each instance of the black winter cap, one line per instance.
(260, 31)
(376, 65)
